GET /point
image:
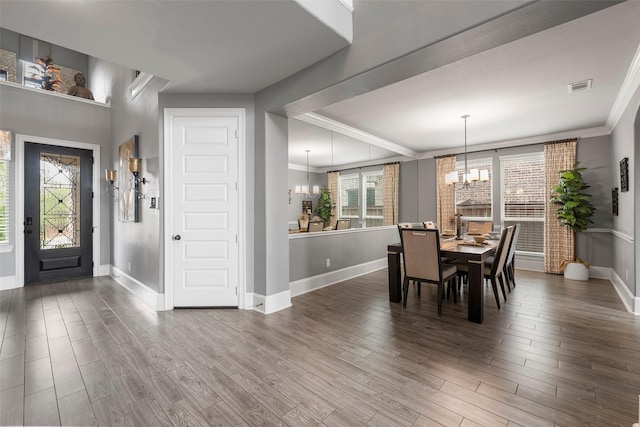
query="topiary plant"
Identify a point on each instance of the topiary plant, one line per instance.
(575, 209)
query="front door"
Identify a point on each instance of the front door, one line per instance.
(204, 182)
(58, 210)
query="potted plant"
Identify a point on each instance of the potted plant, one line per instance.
(325, 205)
(575, 211)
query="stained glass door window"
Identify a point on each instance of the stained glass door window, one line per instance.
(59, 201)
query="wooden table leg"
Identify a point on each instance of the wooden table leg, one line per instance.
(476, 292)
(395, 288)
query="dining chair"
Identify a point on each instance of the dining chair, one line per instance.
(315, 226)
(509, 267)
(494, 272)
(343, 224)
(421, 258)
(482, 227)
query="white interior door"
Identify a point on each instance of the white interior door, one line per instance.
(204, 211)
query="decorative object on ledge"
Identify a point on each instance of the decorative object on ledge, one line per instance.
(46, 72)
(470, 177)
(614, 201)
(80, 90)
(624, 175)
(303, 190)
(5, 144)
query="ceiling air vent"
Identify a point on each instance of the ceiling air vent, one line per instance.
(580, 86)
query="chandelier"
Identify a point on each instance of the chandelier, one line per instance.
(470, 177)
(303, 190)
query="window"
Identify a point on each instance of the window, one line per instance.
(66, 77)
(374, 199)
(523, 199)
(476, 203)
(361, 197)
(4, 201)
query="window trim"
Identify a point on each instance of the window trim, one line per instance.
(363, 208)
(7, 217)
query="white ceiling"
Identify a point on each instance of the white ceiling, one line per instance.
(515, 91)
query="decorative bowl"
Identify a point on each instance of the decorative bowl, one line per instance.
(474, 231)
(479, 239)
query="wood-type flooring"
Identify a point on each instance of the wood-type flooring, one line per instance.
(88, 352)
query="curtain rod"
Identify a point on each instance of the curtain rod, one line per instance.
(506, 148)
(368, 166)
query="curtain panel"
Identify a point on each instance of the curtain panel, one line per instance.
(390, 181)
(558, 240)
(332, 186)
(445, 197)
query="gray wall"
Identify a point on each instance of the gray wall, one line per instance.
(30, 112)
(308, 254)
(136, 245)
(625, 141)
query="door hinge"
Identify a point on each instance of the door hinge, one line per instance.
(92, 194)
(236, 186)
(92, 264)
(236, 133)
(236, 290)
(92, 160)
(236, 238)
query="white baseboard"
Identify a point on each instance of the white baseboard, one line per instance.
(104, 270)
(631, 302)
(137, 288)
(7, 282)
(600, 272)
(312, 283)
(272, 303)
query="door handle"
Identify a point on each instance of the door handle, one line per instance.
(177, 237)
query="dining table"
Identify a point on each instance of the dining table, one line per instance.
(460, 250)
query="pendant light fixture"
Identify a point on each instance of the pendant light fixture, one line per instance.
(303, 190)
(470, 177)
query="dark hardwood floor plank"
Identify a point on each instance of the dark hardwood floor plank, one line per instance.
(183, 413)
(559, 352)
(220, 414)
(12, 406)
(41, 408)
(75, 410)
(67, 378)
(109, 411)
(11, 372)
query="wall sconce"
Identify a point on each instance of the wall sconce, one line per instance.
(111, 176)
(135, 167)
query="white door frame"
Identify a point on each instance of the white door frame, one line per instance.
(19, 187)
(169, 115)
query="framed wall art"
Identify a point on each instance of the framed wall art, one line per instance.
(128, 206)
(614, 201)
(624, 174)
(307, 206)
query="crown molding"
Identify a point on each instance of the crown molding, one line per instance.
(539, 139)
(341, 128)
(629, 86)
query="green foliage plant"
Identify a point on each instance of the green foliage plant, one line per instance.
(574, 206)
(325, 204)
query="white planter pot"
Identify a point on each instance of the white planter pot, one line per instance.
(576, 271)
